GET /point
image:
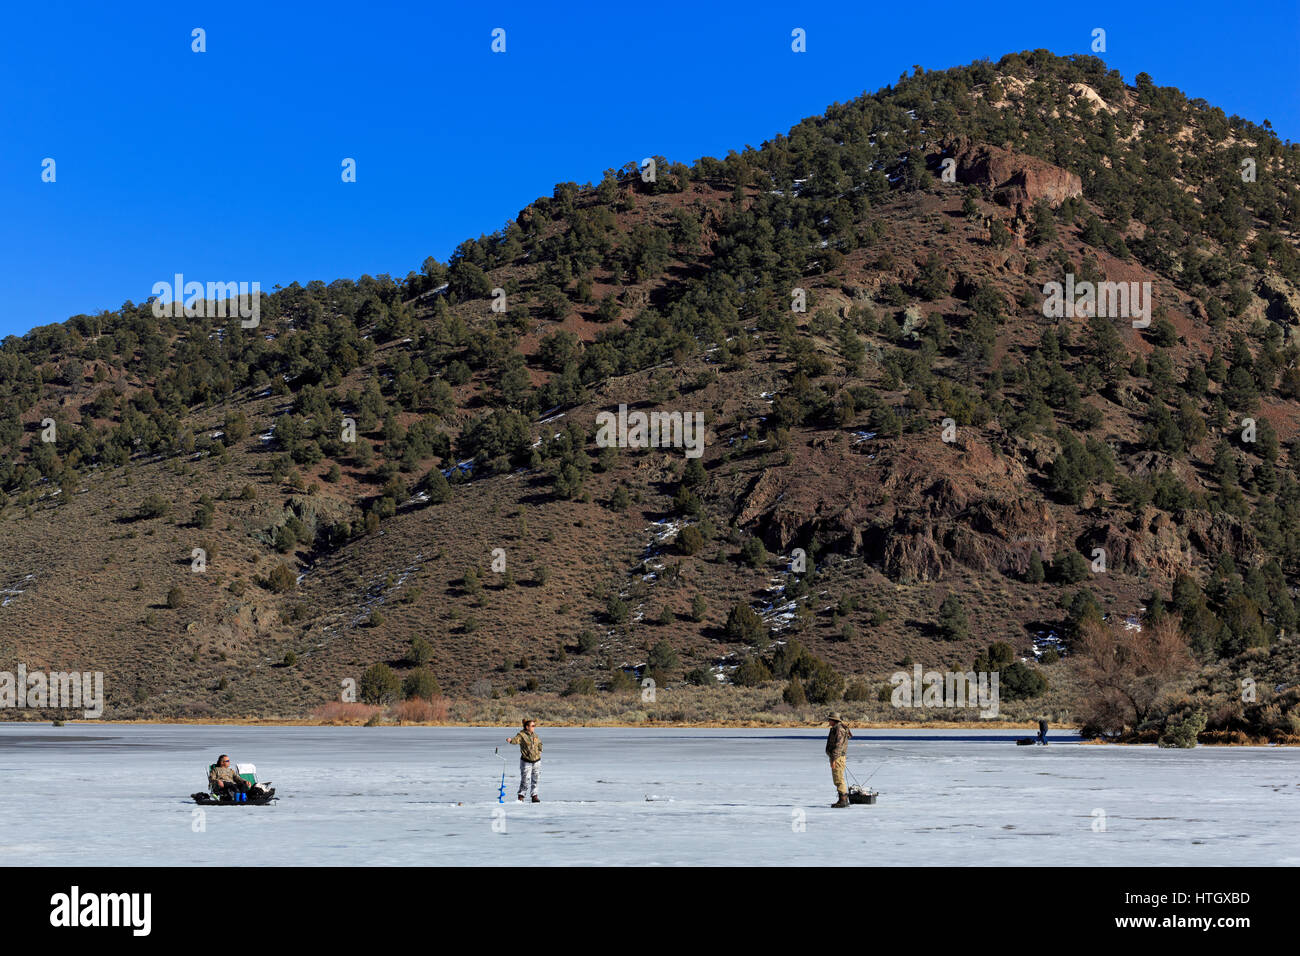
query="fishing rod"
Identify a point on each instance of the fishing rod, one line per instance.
(877, 770)
(892, 751)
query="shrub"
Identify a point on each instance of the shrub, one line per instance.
(419, 710)
(700, 677)
(379, 685)
(282, 579)
(858, 690)
(587, 642)
(421, 684)
(1018, 682)
(751, 672)
(421, 652)
(826, 685)
(203, 512)
(690, 541)
(794, 693)
(583, 686)
(662, 657)
(153, 506)
(744, 624)
(1071, 568)
(616, 609)
(1182, 732)
(753, 553)
(620, 681)
(953, 624)
(436, 486)
(290, 658)
(685, 503)
(790, 658)
(176, 597)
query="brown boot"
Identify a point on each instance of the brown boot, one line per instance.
(842, 802)
(521, 798)
(536, 799)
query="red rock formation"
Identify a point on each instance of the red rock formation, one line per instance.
(1014, 178)
(913, 510)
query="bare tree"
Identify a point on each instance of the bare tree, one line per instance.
(1125, 672)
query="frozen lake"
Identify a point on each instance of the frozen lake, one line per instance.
(101, 794)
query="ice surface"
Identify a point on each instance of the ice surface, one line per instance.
(96, 794)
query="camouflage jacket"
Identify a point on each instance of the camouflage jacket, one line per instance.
(837, 741)
(224, 774)
(530, 746)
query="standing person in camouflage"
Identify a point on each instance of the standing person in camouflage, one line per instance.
(530, 759)
(837, 748)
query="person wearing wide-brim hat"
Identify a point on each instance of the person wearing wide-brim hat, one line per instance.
(837, 748)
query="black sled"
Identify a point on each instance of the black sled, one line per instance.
(862, 795)
(258, 796)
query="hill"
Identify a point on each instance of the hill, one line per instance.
(914, 446)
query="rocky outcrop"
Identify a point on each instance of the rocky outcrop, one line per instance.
(1157, 546)
(1213, 535)
(1014, 179)
(1281, 301)
(911, 554)
(913, 510)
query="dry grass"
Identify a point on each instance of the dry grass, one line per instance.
(336, 712)
(420, 711)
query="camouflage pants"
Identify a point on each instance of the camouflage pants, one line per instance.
(837, 773)
(528, 776)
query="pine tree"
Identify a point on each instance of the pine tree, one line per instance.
(953, 624)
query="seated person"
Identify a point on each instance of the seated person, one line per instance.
(222, 777)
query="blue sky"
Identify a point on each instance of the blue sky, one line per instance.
(225, 165)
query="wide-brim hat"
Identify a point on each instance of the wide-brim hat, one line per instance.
(835, 716)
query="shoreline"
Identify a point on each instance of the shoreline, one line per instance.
(943, 725)
(644, 724)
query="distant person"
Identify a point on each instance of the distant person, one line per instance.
(222, 777)
(1042, 731)
(530, 760)
(837, 748)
